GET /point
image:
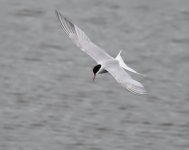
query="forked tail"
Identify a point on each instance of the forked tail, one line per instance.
(123, 65)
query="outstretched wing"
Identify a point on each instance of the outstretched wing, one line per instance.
(123, 77)
(82, 40)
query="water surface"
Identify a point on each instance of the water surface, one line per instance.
(47, 97)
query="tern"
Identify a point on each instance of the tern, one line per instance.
(105, 63)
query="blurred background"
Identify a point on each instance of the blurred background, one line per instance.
(47, 98)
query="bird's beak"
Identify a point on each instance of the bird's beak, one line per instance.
(94, 77)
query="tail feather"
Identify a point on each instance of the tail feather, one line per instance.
(122, 64)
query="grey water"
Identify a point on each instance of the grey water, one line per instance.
(48, 100)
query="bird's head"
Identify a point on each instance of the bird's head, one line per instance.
(95, 70)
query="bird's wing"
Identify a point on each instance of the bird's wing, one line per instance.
(82, 40)
(123, 77)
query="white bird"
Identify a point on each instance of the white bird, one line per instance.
(105, 62)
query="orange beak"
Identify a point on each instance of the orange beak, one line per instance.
(94, 77)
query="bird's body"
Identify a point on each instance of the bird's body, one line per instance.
(105, 63)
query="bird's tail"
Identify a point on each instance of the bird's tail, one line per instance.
(123, 65)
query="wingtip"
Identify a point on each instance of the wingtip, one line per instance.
(56, 12)
(138, 92)
(136, 88)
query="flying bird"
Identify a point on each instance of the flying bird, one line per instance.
(105, 63)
